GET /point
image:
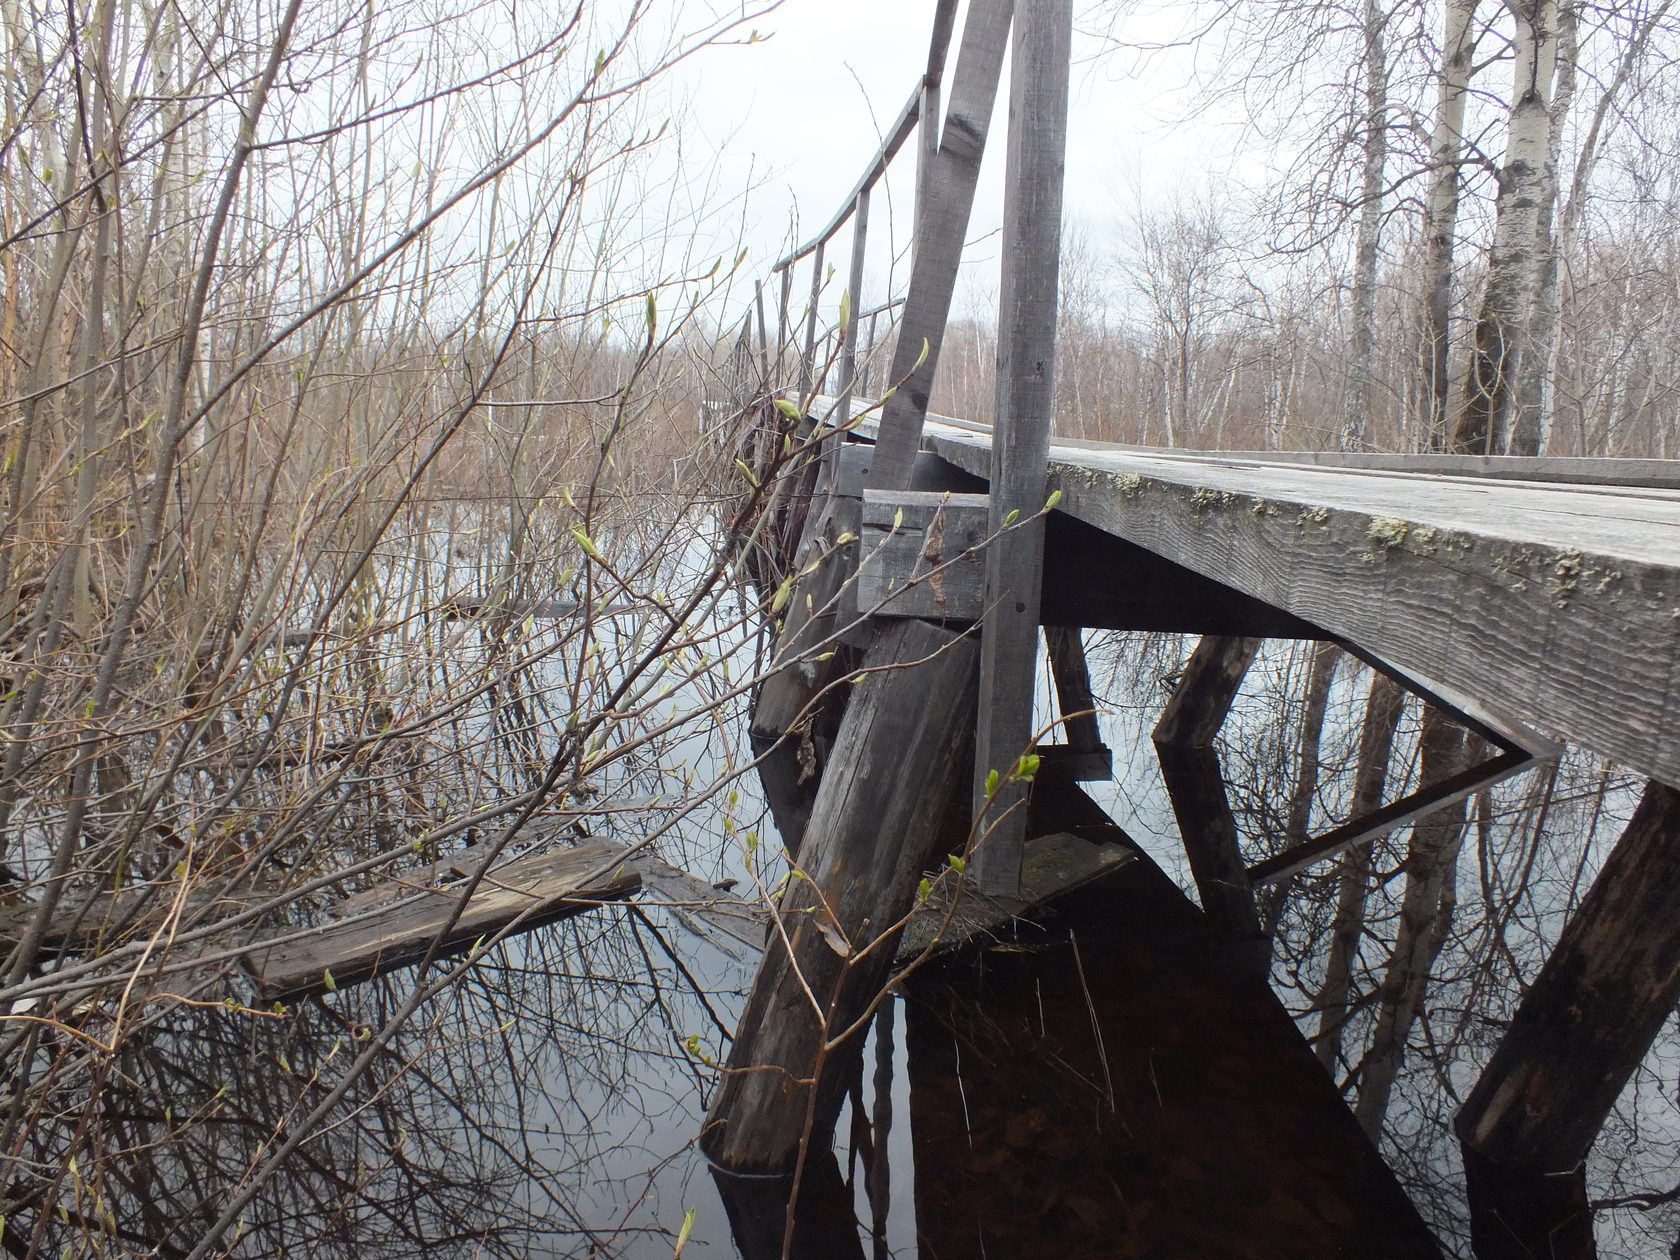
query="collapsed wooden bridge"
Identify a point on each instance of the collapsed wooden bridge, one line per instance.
(912, 561)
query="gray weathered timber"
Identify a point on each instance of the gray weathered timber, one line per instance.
(818, 604)
(533, 890)
(919, 554)
(1026, 380)
(941, 229)
(807, 360)
(900, 761)
(1611, 474)
(1582, 1028)
(1190, 769)
(1541, 600)
(957, 915)
(854, 305)
(1065, 649)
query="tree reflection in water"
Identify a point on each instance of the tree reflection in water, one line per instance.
(547, 1103)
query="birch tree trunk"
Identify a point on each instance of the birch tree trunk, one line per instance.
(1357, 399)
(1446, 151)
(1532, 411)
(1522, 221)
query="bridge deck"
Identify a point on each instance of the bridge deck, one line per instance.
(1555, 601)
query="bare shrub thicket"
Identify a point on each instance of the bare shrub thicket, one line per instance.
(348, 514)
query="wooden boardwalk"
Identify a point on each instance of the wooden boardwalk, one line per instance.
(1553, 598)
(1526, 601)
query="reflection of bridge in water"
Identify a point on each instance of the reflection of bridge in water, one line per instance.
(928, 552)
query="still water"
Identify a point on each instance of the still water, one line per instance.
(1084, 1088)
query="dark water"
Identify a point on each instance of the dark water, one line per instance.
(1092, 1087)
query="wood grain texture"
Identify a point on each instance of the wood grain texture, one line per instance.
(1026, 381)
(534, 890)
(1558, 605)
(900, 756)
(919, 554)
(941, 232)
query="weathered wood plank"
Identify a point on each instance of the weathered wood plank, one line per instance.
(1541, 600)
(957, 915)
(1026, 381)
(899, 762)
(1065, 649)
(534, 890)
(919, 554)
(941, 230)
(1583, 1026)
(854, 303)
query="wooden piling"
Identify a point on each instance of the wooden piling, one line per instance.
(1027, 311)
(900, 762)
(1579, 1033)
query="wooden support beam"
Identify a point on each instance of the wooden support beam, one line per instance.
(1196, 784)
(1580, 1031)
(1540, 599)
(920, 554)
(823, 1218)
(941, 230)
(854, 305)
(900, 761)
(1086, 758)
(807, 360)
(1026, 380)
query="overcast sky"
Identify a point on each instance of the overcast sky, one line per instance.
(797, 117)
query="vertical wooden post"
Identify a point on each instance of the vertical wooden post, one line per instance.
(1579, 1033)
(854, 304)
(1032, 240)
(1195, 781)
(941, 228)
(763, 331)
(782, 322)
(1065, 648)
(808, 367)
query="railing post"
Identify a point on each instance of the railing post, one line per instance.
(808, 367)
(763, 332)
(854, 305)
(1032, 231)
(782, 320)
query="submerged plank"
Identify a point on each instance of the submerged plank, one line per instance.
(955, 916)
(534, 890)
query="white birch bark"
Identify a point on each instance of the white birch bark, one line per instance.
(1522, 219)
(1446, 151)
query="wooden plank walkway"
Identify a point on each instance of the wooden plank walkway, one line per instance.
(1555, 600)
